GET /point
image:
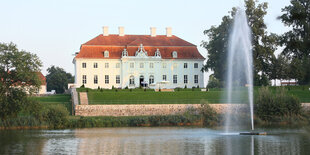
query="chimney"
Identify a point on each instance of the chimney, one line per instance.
(121, 31)
(105, 30)
(169, 31)
(153, 31)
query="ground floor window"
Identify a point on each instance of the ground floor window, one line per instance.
(96, 79)
(131, 80)
(185, 79)
(175, 79)
(151, 80)
(195, 78)
(106, 79)
(164, 77)
(118, 79)
(84, 79)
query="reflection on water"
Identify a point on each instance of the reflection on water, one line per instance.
(152, 141)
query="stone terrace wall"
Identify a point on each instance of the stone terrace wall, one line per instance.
(150, 109)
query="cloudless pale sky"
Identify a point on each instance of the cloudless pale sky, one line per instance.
(55, 29)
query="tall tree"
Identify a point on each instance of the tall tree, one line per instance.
(58, 79)
(17, 74)
(264, 44)
(297, 41)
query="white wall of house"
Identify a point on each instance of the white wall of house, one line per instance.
(42, 89)
(142, 67)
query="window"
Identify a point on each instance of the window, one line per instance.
(132, 65)
(84, 79)
(151, 79)
(195, 65)
(118, 79)
(174, 54)
(141, 65)
(151, 65)
(95, 65)
(131, 79)
(83, 65)
(175, 79)
(96, 79)
(117, 65)
(185, 65)
(125, 53)
(106, 54)
(106, 79)
(164, 77)
(106, 65)
(164, 65)
(195, 78)
(157, 53)
(185, 79)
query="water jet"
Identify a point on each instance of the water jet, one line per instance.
(239, 76)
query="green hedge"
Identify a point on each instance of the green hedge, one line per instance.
(270, 105)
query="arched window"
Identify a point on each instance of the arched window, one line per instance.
(124, 53)
(174, 54)
(157, 53)
(106, 54)
(151, 79)
(131, 80)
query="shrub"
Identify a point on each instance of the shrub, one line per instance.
(270, 105)
(209, 115)
(56, 116)
(213, 82)
(33, 108)
(185, 87)
(82, 86)
(193, 88)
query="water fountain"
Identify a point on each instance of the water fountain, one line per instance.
(240, 67)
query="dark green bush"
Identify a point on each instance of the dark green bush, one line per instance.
(210, 117)
(270, 105)
(56, 116)
(213, 82)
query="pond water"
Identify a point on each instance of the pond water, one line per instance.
(153, 140)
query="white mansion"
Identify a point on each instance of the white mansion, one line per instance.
(121, 61)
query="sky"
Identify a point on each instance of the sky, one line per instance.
(55, 30)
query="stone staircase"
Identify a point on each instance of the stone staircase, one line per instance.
(83, 98)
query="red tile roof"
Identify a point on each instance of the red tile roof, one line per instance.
(115, 44)
(42, 78)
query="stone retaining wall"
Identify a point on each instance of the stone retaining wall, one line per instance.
(149, 109)
(156, 109)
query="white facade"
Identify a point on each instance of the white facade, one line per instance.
(103, 73)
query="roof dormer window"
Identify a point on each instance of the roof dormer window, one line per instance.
(174, 54)
(106, 54)
(124, 53)
(157, 53)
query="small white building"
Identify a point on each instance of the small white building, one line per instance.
(119, 60)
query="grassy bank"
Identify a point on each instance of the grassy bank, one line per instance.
(180, 96)
(59, 99)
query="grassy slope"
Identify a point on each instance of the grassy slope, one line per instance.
(138, 96)
(61, 99)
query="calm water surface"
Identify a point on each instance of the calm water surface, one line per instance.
(162, 140)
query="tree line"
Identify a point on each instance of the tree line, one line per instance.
(292, 63)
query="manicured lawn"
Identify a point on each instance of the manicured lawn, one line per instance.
(139, 96)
